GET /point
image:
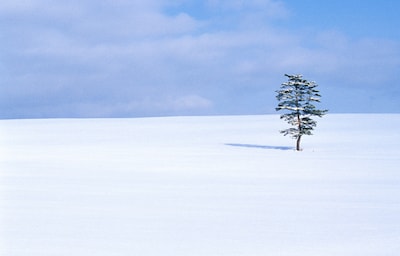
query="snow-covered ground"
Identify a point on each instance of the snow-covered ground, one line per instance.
(200, 186)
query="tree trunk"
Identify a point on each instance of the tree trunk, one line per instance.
(299, 127)
(298, 143)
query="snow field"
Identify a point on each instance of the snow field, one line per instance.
(215, 186)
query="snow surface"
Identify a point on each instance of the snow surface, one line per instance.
(214, 186)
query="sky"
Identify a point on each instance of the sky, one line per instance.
(121, 58)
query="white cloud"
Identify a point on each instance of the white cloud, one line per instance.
(42, 9)
(148, 105)
(271, 8)
(191, 102)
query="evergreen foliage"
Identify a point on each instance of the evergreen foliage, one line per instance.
(296, 98)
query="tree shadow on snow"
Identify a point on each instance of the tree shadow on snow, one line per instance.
(259, 146)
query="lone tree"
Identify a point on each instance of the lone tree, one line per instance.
(296, 97)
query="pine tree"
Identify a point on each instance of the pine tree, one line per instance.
(296, 97)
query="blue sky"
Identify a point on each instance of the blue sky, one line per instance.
(120, 58)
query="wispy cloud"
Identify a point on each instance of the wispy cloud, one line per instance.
(130, 58)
